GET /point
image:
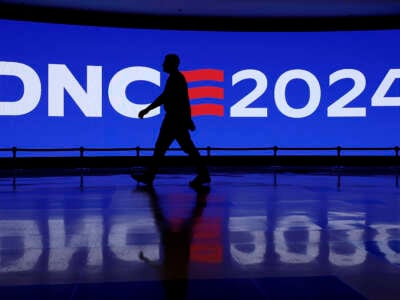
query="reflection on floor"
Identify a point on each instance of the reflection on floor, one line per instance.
(250, 236)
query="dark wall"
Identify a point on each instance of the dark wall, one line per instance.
(71, 16)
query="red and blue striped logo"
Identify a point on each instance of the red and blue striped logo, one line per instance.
(208, 91)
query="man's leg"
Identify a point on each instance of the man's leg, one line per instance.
(164, 140)
(185, 141)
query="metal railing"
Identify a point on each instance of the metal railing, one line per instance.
(208, 149)
(338, 150)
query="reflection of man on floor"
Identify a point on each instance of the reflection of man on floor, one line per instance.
(175, 241)
(175, 126)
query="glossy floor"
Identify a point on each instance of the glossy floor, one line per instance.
(251, 236)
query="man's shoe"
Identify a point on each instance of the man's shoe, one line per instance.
(199, 180)
(143, 178)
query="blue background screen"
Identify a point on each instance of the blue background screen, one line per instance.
(249, 89)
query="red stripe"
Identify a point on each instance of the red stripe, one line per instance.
(204, 74)
(207, 109)
(206, 252)
(206, 92)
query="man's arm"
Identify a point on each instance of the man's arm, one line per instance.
(156, 103)
(159, 100)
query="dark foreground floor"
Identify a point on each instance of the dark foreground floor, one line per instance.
(251, 236)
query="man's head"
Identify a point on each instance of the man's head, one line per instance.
(171, 63)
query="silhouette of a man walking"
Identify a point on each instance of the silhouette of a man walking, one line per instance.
(175, 126)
